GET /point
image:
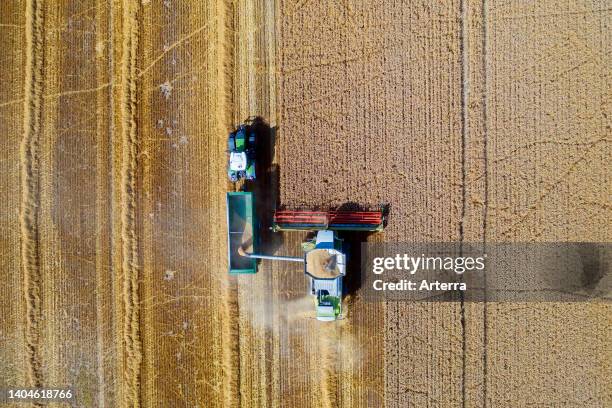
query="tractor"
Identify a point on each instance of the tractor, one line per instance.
(241, 145)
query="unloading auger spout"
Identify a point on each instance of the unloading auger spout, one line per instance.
(242, 252)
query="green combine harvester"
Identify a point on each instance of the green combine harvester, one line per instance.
(324, 257)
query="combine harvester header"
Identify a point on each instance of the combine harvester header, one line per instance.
(304, 220)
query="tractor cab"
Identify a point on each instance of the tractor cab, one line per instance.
(238, 161)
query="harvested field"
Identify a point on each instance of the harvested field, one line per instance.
(475, 121)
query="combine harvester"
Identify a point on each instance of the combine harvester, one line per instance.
(325, 257)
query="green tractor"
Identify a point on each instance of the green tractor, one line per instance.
(242, 153)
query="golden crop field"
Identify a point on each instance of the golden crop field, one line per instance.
(474, 121)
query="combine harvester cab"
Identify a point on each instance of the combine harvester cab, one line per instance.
(241, 232)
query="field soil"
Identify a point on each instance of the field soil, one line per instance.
(473, 121)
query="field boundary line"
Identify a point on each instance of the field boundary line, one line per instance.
(464, 135)
(485, 132)
(131, 323)
(30, 184)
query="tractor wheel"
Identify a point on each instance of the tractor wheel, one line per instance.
(231, 143)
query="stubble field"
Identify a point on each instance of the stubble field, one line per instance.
(475, 121)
